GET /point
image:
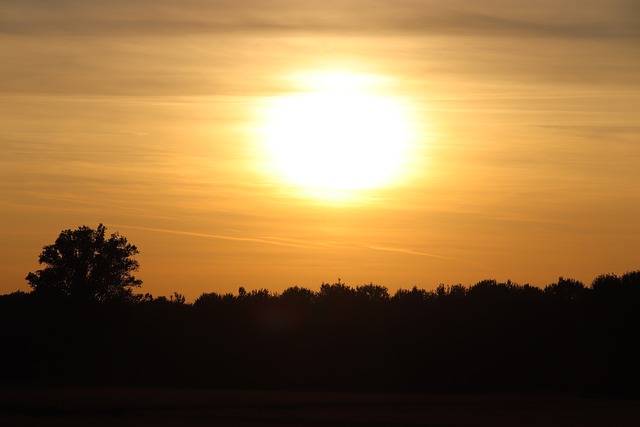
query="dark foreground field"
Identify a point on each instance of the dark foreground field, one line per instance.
(169, 407)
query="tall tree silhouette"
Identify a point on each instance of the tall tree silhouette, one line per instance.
(85, 265)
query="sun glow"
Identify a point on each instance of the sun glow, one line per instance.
(339, 136)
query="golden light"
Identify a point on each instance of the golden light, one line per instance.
(340, 135)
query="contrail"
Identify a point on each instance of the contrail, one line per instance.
(424, 254)
(407, 251)
(288, 242)
(266, 241)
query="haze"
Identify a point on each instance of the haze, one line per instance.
(145, 116)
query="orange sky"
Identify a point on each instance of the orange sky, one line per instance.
(145, 116)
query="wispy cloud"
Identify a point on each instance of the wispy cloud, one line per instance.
(574, 18)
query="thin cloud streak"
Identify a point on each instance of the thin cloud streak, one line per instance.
(288, 242)
(148, 112)
(424, 254)
(408, 251)
(578, 18)
(266, 241)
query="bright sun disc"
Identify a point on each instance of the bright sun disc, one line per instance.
(337, 138)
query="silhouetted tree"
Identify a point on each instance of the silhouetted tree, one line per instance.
(414, 295)
(566, 289)
(298, 295)
(631, 280)
(208, 299)
(607, 284)
(85, 265)
(259, 295)
(337, 292)
(567, 338)
(177, 298)
(373, 293)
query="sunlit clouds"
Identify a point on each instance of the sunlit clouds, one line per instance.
(514, 127)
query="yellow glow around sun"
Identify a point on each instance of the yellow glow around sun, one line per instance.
(338, 136)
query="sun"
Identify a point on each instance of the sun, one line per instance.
(339, 136)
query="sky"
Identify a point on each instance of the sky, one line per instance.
(149, 117)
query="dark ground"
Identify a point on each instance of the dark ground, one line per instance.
(189, 407)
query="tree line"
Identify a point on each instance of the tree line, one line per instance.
(488, 337)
